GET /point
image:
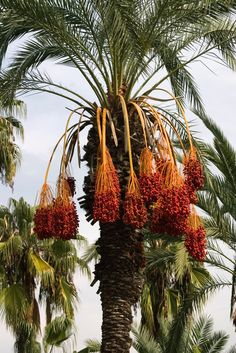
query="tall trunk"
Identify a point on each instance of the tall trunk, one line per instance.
(120, 276)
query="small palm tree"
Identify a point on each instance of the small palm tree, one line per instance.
(63, 258)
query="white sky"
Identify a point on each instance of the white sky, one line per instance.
(45, 123)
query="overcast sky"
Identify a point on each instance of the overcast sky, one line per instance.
(45, 122)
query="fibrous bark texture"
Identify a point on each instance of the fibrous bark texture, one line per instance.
(120, 276)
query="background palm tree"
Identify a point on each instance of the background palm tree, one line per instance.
(21, 267)
(171, 276)
(197, 336)
(64, 259)
(115, 45)
(28, 264)
(10, 155)
(218, 202)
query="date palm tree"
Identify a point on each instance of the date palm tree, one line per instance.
(125, 50)
(218, 201)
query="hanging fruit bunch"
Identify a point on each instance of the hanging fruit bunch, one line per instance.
(149, 177)
(107, 189)
(193, 172)
(195, 238)
(165, 190)
(43, 218)
(135, 212)
(171, 211)
(57, 217)
(65, 218)
(172, 207)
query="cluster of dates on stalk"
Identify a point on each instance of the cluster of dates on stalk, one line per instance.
(170, 197)
(160, 191)
(57, 217)
(107, 205)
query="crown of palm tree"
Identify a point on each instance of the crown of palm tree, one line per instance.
(114, 44)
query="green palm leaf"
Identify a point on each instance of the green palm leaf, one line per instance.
(13, 304)
(57, 332)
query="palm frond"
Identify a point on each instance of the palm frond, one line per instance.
(14, 305)
(92, 346)
(91, 254)
(204, 339)
(181, 261)
(193, 301)
(57, 332)
(144, 342)
(10, 155)
(40, 268)
(67, 297)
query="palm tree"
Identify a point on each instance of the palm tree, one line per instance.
(21, 267)
(118, 47)
(9, 151)
(218, 202)
(27, 265)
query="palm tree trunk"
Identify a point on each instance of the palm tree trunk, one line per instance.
(120, 270)
(120, 276)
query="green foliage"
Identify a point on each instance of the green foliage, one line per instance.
(9, 152)
(219, 200)
(144, 342)
(14, 304)
(171, 277)
(26, 262)
(197, 337)
(92, 346)
(113, 42)
(57, 332)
